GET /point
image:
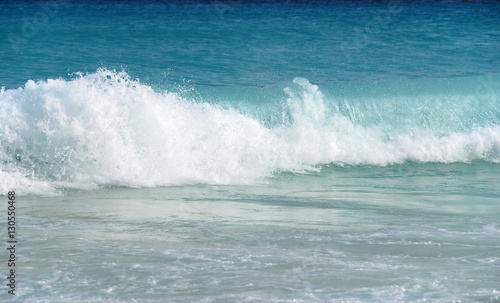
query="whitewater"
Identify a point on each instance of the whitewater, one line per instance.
(106, 129)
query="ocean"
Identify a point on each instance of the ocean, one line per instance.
(250, 151)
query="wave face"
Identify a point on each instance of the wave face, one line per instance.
(108, 129)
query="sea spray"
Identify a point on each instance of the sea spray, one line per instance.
(105, 128)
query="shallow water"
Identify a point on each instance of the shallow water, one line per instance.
(401, 232)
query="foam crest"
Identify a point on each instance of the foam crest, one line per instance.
(107, 129)
(305, 102)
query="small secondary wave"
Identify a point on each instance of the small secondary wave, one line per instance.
(108, 129)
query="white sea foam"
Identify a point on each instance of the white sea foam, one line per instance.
(107, 129)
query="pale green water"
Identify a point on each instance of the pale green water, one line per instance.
(396, 233)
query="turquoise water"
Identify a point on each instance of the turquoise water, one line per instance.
(230, 152)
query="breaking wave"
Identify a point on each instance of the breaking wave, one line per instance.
(108, 129)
